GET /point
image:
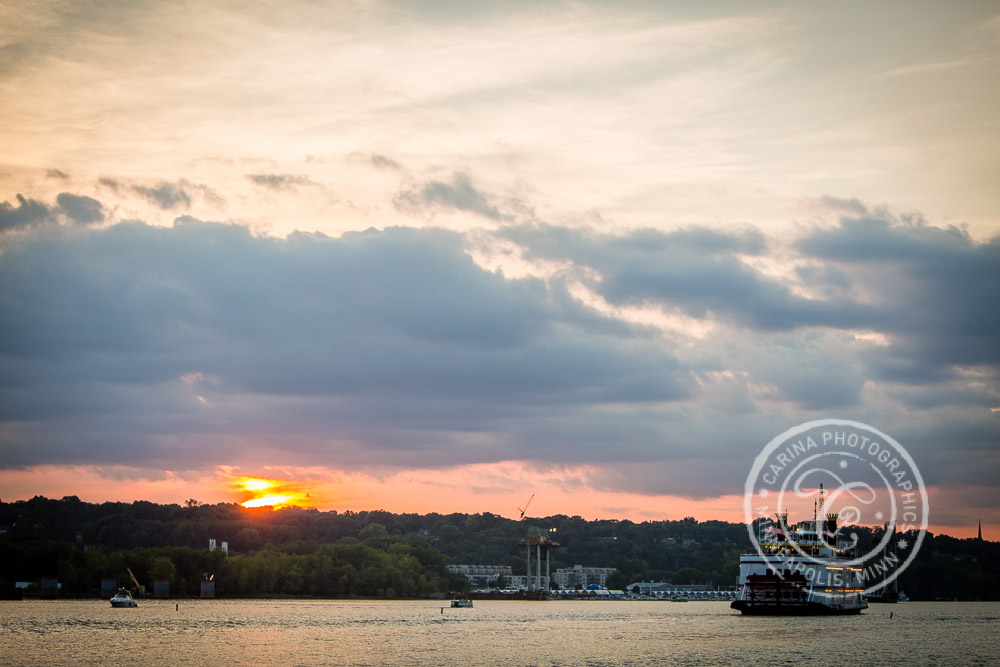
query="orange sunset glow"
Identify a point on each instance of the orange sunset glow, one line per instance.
(272, 493)
(497, 488)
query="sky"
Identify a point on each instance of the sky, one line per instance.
(449, 256)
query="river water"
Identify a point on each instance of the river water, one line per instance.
(325, 632)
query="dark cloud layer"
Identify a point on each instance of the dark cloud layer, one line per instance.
(939, 288)
(698, 271)
(176, 347)
(356, 332)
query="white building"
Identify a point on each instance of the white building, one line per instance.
(579, 576)
(521, 581)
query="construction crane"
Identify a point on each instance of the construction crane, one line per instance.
(139, 590)
(525, 508)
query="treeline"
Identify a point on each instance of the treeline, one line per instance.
(948, 568)
(55, 532)
(381, 567)
(298, 551)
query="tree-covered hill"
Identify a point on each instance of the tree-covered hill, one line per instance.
(298, 551)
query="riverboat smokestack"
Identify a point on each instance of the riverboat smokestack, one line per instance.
(822, 500)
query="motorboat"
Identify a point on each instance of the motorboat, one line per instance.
(123, 598)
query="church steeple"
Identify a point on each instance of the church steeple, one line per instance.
(980, 530)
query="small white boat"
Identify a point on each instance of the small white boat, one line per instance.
(462, 602)
(123, 599)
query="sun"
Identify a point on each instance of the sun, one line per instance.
(272, 493)
(254, 484)
(275, 500)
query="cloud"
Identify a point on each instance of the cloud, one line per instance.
(383, 162)
(80, 209)
(279, 181)
(202, 342)
(937, 288)
(394, 339)
(77, 209)
(376, 160)
(699, 271)
(164, 194)
(934, 67)
(27, 212)
(458, 195)
(928, 290)
(890, 300)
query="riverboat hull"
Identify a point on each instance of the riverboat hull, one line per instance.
(808, 609)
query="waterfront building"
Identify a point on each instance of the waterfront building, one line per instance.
(579, 576)
(528, 583)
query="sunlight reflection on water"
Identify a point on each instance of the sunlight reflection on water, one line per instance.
(263, 632)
